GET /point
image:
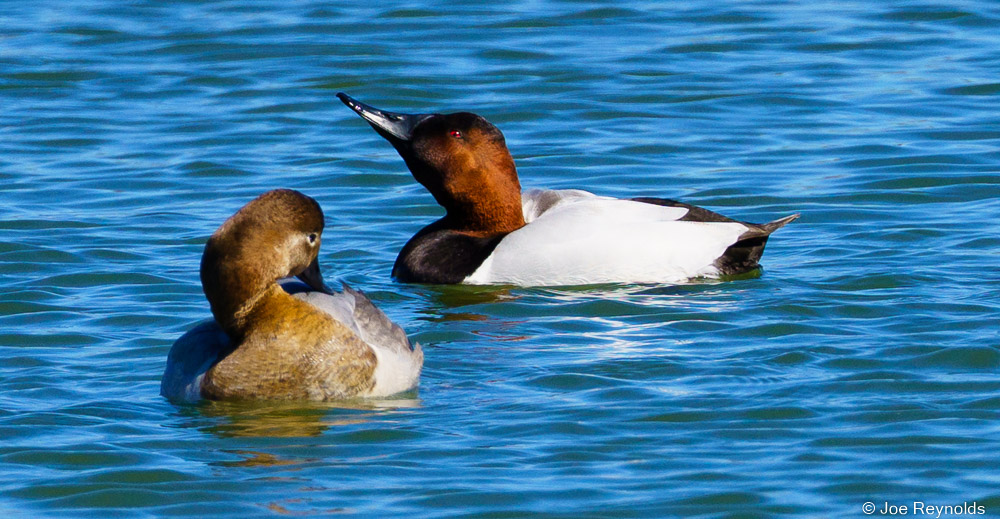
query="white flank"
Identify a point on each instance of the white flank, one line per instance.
(579, 238)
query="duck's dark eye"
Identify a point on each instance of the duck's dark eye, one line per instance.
(456, 134)
(312, 238)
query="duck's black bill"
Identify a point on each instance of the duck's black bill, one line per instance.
(390, 125)
(314, 278)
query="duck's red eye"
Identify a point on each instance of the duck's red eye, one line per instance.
(456, 134)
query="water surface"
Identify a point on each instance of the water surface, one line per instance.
(860, 365)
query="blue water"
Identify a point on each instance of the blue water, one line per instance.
(860, 365)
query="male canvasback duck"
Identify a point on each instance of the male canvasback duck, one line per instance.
(492, 233)
(266, 343)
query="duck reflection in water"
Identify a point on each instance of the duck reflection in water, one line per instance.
(290, 419)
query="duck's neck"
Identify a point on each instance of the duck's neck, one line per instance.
(486, 217)
(486, 202)
(234, 295)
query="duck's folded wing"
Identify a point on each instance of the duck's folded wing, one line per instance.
(375, 326)
(694, 213)
(354, 310)
(700, 214)
(600, 240)
(339, 306)
(399, 362)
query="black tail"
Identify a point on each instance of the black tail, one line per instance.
(744, 255)
(770, 227)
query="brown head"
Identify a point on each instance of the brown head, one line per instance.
(276, 235)
(461, 159)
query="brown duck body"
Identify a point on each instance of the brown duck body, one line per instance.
(268, 344)
(293, 351)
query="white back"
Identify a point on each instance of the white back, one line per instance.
(534, 202)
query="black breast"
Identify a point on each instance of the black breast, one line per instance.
(442, 256)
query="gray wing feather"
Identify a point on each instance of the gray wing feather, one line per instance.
(353, 309)
(375, 326)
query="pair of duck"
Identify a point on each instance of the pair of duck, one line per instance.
(305, 342)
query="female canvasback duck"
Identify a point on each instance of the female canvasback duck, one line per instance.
(268, 344)
(492, 233)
